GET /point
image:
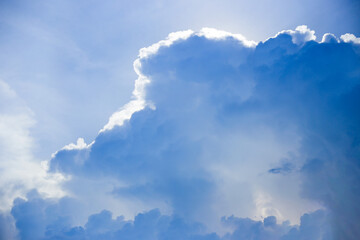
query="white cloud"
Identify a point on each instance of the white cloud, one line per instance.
(329, 38)
(19, 170)
(80, 144)
(138, 102)
(348, 37)
(212, 33)
(300, 35)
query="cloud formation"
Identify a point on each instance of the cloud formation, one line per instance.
(45, 219)
(218, 126)
(19, 170)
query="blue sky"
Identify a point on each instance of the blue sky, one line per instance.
(244, 130)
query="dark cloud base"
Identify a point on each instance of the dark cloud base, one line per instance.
(38, 218)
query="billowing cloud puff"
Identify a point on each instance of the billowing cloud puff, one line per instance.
(219, 126)
(45, 219)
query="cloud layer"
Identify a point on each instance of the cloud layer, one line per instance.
(218, 126)
(37, 218)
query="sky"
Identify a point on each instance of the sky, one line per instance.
(179, 120)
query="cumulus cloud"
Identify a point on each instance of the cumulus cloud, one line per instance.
(312, 226)
(300, 35)
(329, 38)
(37, 218)
(350, 38)
(219, 126)
(179, 152)
(217, 102)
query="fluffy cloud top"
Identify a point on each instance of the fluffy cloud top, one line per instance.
(218, 126)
